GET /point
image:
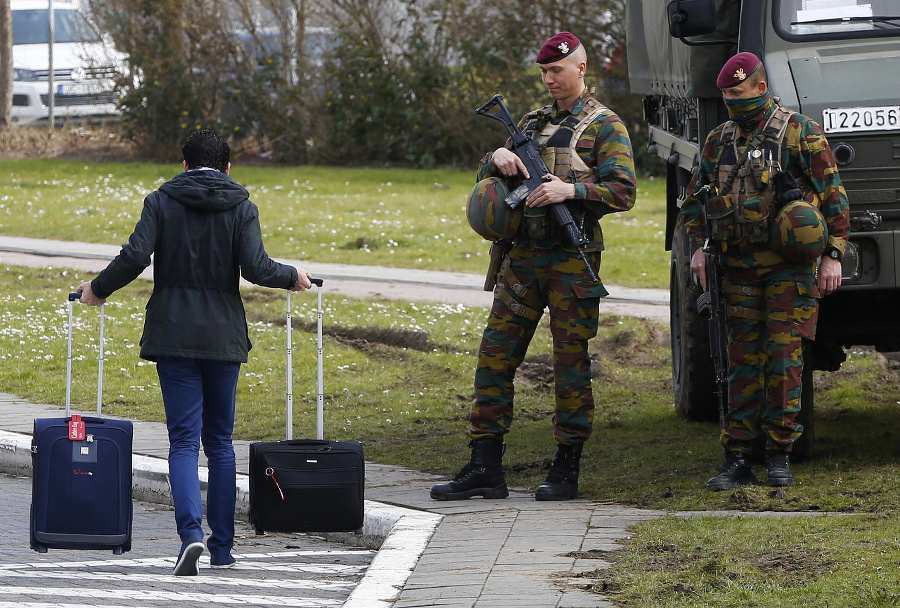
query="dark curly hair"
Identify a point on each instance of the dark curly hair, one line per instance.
(206, 148)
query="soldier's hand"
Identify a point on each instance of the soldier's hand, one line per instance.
(829, 275)
(553, 190)
(508, 163)
(698, 266)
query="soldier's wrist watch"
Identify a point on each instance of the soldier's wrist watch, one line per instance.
(833, 253)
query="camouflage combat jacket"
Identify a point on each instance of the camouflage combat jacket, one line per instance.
(589, 147)
(804, 152)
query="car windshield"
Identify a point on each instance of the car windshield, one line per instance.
(835, 19)
(32, 27)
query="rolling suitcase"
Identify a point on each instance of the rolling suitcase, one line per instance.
(306, 485)
(81, 475)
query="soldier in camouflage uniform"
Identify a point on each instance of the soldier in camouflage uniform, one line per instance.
(588, 151)
(771, 302)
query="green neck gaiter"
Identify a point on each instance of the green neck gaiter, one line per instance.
(745, 112)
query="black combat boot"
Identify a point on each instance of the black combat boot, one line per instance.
(562, 480)
(737, 471)
(779, 466)
(482, 476)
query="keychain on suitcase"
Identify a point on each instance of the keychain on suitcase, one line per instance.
(306, 485)
(81, 472)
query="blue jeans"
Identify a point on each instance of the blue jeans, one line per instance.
(199, 397)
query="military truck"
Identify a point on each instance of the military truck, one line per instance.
(833, 60)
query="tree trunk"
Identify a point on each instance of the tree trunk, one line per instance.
(6, 65)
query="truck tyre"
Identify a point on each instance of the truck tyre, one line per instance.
(693, 373)
(803, 446)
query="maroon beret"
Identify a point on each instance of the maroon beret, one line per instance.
(558, 47)
(737, 69)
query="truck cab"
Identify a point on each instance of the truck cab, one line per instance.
(832, 60)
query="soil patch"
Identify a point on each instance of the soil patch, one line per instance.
(92, 143)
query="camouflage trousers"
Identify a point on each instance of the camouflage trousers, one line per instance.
(528, 282)
(768, 315)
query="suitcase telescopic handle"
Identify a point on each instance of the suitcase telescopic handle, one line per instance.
(320, 395)
(75, 295)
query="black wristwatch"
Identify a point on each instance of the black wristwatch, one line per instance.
(833, 253)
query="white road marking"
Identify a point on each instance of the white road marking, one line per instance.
(110, 577)
(167, 596)
(164, 562)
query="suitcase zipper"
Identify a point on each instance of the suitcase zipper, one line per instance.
(271, 473)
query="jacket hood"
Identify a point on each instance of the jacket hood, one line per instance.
(205, 190)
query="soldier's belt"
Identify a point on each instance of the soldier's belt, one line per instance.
(743, 290)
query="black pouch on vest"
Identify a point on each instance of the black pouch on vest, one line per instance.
(754, 220)
(722, 225)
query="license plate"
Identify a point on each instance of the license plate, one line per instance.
(79, 88)
(850, 120)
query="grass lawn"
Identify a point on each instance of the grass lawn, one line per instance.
(396, 217)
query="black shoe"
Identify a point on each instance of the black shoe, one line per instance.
(188, 561)
(737, 471)
(562, 480)
(482, 476)
(779, 469)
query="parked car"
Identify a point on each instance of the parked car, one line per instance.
(86, 64)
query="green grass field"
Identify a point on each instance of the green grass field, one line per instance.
(398, 218)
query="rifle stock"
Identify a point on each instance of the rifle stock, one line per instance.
(527, 150)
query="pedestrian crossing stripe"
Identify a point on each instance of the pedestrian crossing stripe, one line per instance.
(113, 577)
(160, 596)
(169, 564)
(245, 561)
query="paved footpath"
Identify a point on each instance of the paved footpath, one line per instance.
(467, 554)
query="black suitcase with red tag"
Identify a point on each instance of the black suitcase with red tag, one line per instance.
(81, 475)
(306, 485)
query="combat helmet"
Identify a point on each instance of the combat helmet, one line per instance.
(799, 232)
(488, 213)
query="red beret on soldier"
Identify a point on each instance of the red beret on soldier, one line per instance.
(558, 47)
(737, 69)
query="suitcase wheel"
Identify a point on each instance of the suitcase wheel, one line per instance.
(117, 551)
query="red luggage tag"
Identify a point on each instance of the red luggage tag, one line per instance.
(77, 430)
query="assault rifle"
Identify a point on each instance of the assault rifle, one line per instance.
(712, 302)
(527, 150)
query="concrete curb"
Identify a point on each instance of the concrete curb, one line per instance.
(400, 534)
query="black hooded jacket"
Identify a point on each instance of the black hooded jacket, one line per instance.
(204, 234)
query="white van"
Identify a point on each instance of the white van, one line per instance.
(85, 64)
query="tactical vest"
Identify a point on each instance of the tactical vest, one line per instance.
(744, 207)
(557, 144)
